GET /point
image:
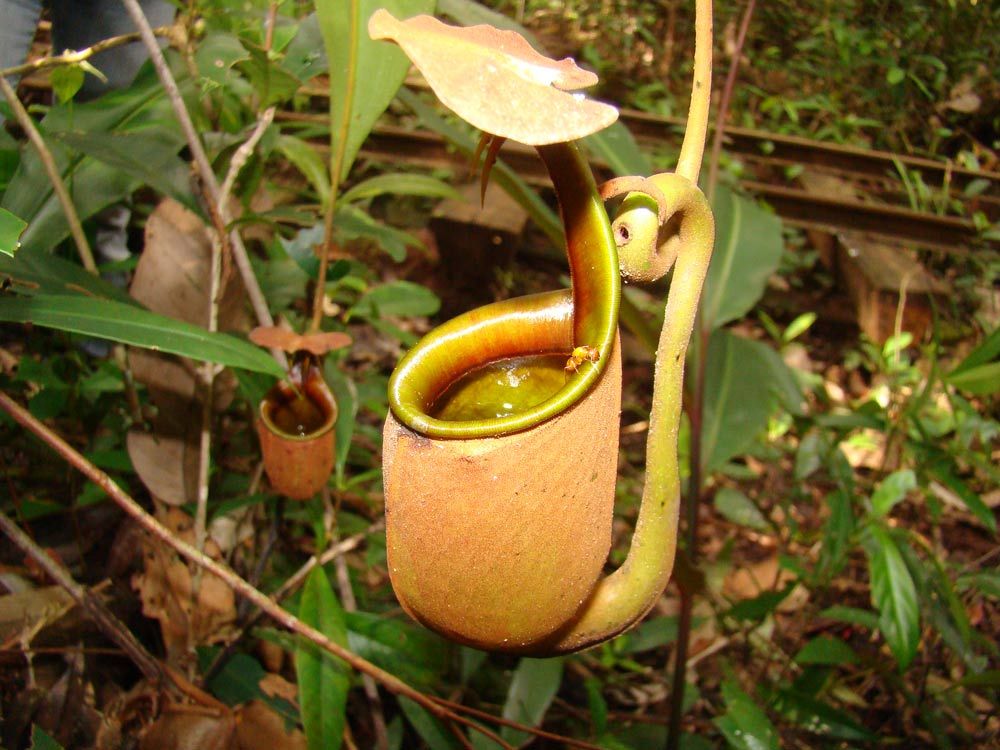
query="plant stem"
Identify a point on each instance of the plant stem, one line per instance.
(693, 147)
(49, 164)
(218, 210)
(78, 56)
(695, 415)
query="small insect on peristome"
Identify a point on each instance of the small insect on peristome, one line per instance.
(580, 355)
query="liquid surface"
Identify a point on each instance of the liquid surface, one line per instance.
(502, 388)
(297, 416)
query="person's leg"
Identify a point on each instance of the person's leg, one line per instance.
(18, 19)
(77, 24)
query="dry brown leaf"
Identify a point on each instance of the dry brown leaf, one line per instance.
(276, 337)
(259, 727)
(172, 278)
(180, 729)
(276, 686)
(165, 589)
(767, 575)
(496, 81)
(25, 613)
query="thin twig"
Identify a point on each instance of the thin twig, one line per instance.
(49, 164)
(74, 57)
(217, 210)
(235, 582)
(112, 627)
(244, 152)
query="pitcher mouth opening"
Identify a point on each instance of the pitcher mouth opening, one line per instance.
(493, 371)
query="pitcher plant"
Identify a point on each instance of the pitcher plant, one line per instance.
(500, 450)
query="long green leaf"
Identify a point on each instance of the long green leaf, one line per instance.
(364, 74)
(535, 684)
(131, 325)
(401, 183)
(323, 679)
(11, 229)
(36, 272)
(894, 595)
(748, 247)
(430, 729)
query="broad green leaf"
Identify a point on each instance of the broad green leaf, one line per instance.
(131, 325)
(322, 678)
(42, 740)
(987, 351)
(616, 146)
(352, 223)
(761, 605)
(826, 650)
(364, 74)
(66, 81)
(745, 725)
(748, 246)
(400, 183)
(740, 509)
(148, 157)
(272, 83)
(892, 490)
(535, 684)
(398, 299)
(744, 381)
(413, 654)
(11, 229)
(308, 161)
(429, 727)
(894, 595)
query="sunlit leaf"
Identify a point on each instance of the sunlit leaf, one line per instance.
(496, 81)
(322, 678)
(400, 183)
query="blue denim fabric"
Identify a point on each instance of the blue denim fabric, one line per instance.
(77, 24)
